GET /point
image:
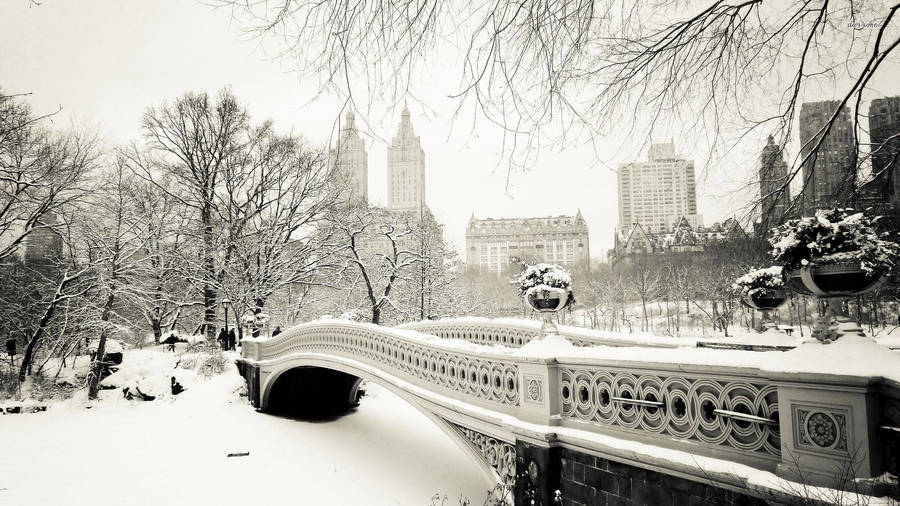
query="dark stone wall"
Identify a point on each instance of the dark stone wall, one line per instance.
(588, 481)
(251, 376)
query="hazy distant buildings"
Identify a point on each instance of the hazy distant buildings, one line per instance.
(406, 167)
(830, 173)
(491, 243)
(884, 133)
(659, 192)
(43, 246)
(350, 160)
(638, 243)
(774, 194)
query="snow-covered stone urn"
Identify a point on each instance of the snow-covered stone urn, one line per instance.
(834, 255)
(547, 289)
(763, 290)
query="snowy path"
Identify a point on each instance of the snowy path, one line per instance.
(174, 453)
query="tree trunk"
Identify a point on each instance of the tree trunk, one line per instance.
(32, 344)
(157, 330)
(209, 293)
(376, 314)
(96, 367)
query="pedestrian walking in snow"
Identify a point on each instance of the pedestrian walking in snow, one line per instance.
(232, 340)
(222, 339)
(276, 331)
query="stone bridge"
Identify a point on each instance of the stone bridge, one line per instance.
(602, 418)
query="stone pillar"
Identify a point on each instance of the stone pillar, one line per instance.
(829, 430)
(539, 387)
(251, 376)
(538, 473)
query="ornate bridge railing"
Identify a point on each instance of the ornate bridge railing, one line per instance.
(515, 333)
(720, 404)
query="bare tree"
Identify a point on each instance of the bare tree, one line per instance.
(279, 245)
(376, 250)
(41, 171)
(113, 247)
(644, 281)
(582, 66)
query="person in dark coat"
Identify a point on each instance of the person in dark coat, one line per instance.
(223, 339)
(232, 340)
(276, 331)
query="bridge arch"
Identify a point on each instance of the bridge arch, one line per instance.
(496, 467)
(554, 410)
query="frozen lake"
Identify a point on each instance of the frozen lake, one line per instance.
(173, 453)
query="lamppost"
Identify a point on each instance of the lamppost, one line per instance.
(225, 303)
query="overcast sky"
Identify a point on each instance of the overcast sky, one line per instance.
(105, 61)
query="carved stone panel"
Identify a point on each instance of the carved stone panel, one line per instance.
(821, 428)
(534, 389)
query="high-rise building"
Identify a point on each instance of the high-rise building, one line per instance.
(350, 160)
(774, 194)
(492, 243)
(829, 175)
(406, 167)
(43, 245)
(659, 192)
(884, 133)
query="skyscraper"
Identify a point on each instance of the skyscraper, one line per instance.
(884, 133)
(774, 194)
(830, 174)
(44, 245)
(658, 192)
(406, 167)
(350, 160)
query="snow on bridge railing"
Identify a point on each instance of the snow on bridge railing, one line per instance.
(515, 332)
(743, 406)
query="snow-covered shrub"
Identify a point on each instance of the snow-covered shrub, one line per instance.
(207, 363)
(349, 315)
(760, 281)
(537, 277)
(111, 346)
(833, 236)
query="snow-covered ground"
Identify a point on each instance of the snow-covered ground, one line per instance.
(174, 452)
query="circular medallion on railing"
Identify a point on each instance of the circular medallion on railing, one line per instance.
(677, 393)
(625, 387)
(484, 379)
(581, 393)
(653, 419)
(704, 399)
(473, 378)
(497, 381)
(512, 391)
(822, 429)
(605, 408)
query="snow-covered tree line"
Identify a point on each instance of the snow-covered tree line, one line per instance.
(208, 205)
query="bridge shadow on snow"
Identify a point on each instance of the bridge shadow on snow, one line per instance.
(314, 394)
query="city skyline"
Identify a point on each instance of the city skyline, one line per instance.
(466, 172)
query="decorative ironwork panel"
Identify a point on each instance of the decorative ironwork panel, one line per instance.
(488, 379)
(739, 414)
(500, 455)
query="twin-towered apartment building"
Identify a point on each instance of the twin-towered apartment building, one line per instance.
(405, 166)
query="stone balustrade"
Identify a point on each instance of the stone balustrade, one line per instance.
(703, 402)
(516, 332)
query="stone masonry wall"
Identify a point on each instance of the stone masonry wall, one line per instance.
(589, 481)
